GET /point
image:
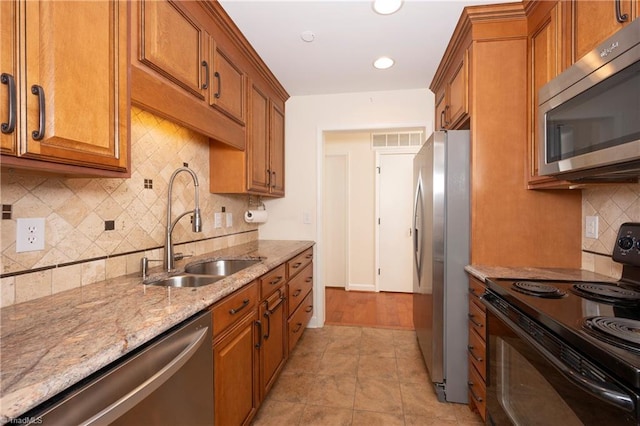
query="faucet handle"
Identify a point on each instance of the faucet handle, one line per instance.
(180, 256)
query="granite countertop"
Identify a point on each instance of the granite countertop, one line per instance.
(484, 272)
(51, 343)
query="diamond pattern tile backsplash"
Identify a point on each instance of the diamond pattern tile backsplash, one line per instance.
(614, 205)
(76, 209)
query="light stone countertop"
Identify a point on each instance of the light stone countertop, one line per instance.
(484, 272)
(51, 343)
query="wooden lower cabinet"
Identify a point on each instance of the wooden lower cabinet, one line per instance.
(299, 319)
(235, 372)
(477, 351)
(273, 343)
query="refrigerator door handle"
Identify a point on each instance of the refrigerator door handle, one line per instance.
(417, 249)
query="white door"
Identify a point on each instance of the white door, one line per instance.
(395, 207)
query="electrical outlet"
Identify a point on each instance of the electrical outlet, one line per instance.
(29, 234)
(217, 220)
(229, 220)
(591, 227)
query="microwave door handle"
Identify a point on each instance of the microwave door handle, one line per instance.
(605, 391)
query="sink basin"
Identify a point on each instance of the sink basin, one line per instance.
(186, 281)
(221, 267)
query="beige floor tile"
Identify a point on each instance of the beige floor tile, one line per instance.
(413, 420)
(419, 399)
(315, 415)
(372, 418)
(412, 370)
(337, 364)
(339, 331)
(373, 346)
(407, 349)
(332, 391)
(344, 346)
(378, 333)
(374, 366)
(312, 341)
(303, 362)
(278, 413)
(292, 387)
(378, 395)
(404, 336)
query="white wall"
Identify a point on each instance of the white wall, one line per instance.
(307, 117)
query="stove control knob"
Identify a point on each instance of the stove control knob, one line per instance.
(626, 243)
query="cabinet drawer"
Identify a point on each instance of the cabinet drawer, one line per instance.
(477, 319)
(299, 286)
(477, 392)
(477, 353)
(296, 264)
(233, 307)
(476, 287)
(271, 281)
(299, 320)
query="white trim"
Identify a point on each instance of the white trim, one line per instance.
(361, 287)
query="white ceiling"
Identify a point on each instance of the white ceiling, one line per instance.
(349, 36)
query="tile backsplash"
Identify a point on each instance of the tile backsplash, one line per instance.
(614, 205)
(78, 250)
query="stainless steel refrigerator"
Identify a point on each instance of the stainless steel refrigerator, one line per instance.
(441, 251)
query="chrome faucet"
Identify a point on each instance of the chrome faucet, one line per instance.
(196, 225)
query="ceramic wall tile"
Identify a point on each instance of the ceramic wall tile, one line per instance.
(75, 212)
(614, 205)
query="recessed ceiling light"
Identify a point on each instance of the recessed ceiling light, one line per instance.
(383, 63)
(386, 7)
(307, 36)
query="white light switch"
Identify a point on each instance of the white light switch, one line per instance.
(217, 220)
(306, 217)
(29, 234)
(591, 227)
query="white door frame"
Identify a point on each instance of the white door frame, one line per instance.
(379, 153)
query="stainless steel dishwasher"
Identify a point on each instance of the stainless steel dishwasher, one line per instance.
(169, 381)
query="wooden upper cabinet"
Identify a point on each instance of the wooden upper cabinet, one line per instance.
(179, 59)
(73, 86)
(452, 95)
(276, 151)
(228, 91)
(9, 70)
(440, 111)
(545, 53)
(258, 146)
(595, 20)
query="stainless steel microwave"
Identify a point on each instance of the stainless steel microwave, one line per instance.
(589, 115)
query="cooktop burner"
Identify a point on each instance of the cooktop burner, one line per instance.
(607, 293)
(622, 332)
(534, 288)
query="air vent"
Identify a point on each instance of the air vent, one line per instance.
(396, 139)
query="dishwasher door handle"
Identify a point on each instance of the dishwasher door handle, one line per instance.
(128, 401)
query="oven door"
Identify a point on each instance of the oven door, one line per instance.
(533, 378)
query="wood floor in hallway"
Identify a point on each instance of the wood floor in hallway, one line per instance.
(368, 309)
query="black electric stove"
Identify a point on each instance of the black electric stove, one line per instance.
(600, 320)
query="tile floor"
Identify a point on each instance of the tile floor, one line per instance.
(340, 375)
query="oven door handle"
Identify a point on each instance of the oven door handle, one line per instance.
(605, 391)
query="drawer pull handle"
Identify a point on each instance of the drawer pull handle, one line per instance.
(297, 292)
(620, 17)
(10, 125)
(309, 308)
(267, 315)
(296, 265)
(308, 280)
(259, 342)
(234, 311)
(38, 135)
(476, 397)
(474, 322)
(276, 280)
(477, 358)
(309, 256)
(205, 85)
(299, 326)
(219, 92)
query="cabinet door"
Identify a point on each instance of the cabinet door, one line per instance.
(235, 375)
(457, 91)
(76, 83)
(440, 112)
(595, 20)
(276, 151)
(258, 144)
(171, 43)
(273, 349)
(227, 91)
(9, 70)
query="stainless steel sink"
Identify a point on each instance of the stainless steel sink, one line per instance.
(220, 267)
(186, 281)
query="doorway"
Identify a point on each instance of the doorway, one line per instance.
(360, 254)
